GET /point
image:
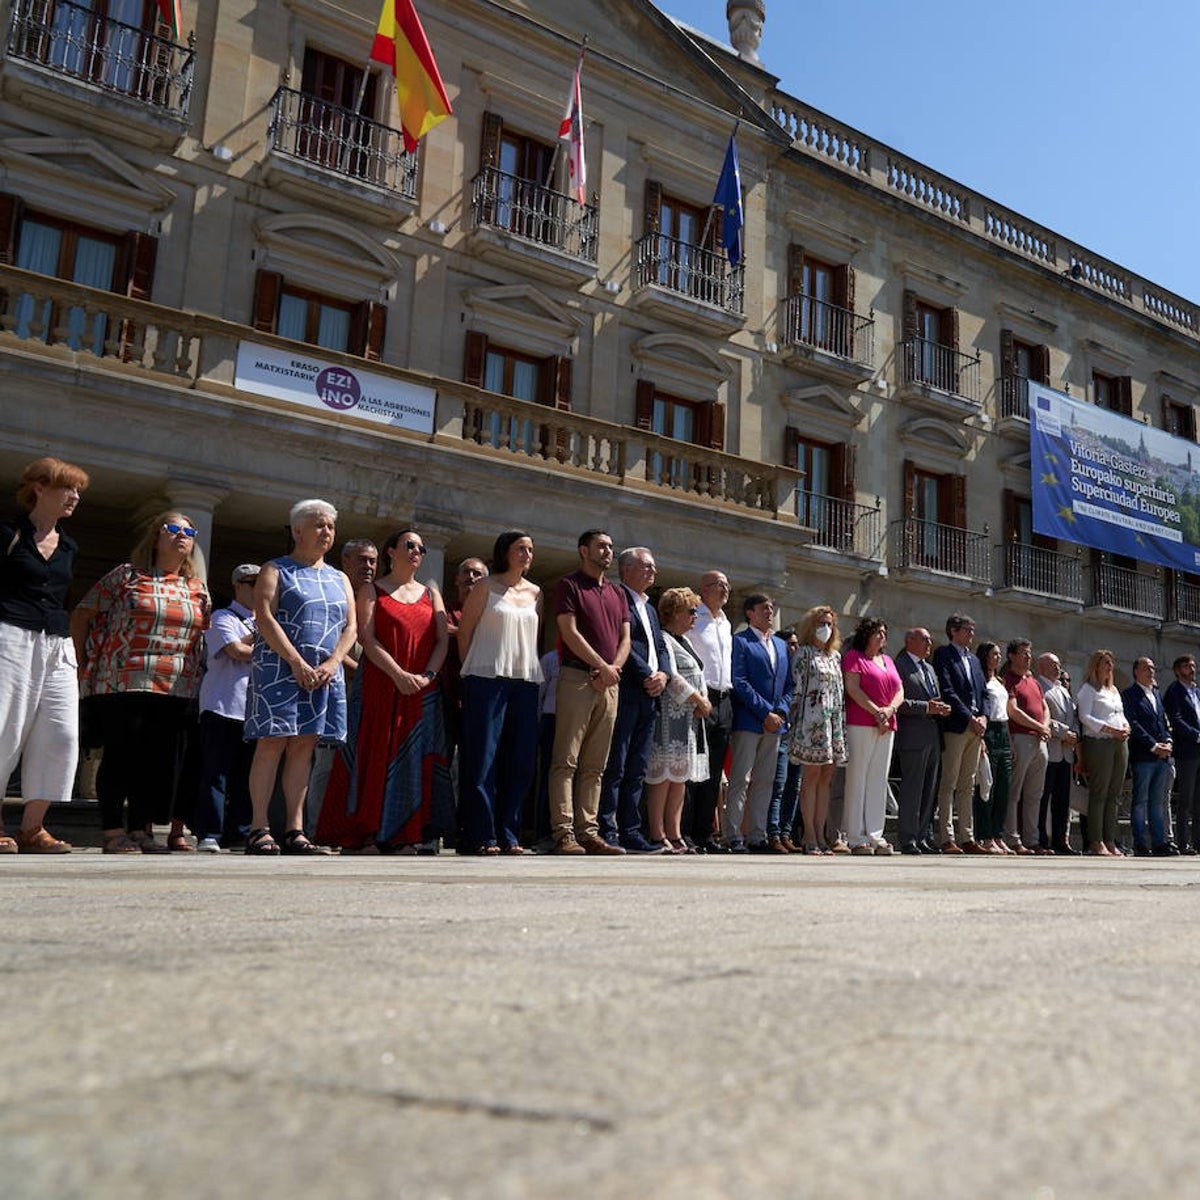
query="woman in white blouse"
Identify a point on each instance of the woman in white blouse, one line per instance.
(497, 638)
(990, 810)
(1105, 750)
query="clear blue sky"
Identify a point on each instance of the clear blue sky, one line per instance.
(1079, 114)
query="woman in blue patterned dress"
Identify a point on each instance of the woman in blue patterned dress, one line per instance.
(305, 616)
(818, 730)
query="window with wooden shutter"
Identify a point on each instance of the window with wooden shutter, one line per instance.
(11, 208)
(1178, 419)
(330, 88)
(267, 286)
(1114, 392)
(368, 327)
(935, 507)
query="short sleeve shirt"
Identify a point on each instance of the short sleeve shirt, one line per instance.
(600, 610)
(148, 635)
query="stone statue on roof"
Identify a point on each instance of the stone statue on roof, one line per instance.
(746, 19)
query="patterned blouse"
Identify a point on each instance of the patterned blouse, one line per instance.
(148, 635)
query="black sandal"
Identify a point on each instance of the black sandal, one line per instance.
(295, 842)
(260, 841)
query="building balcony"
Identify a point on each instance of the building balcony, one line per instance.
(68, 60)
(1184, 600)
(1127, 591)
(331, 154)
(113, 343)
(687, 283)
(527, 224)
(928, 548)
(841, 526)
(1043, 576)
(939, 378)
(832, 339)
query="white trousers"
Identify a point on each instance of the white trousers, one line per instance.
(865, 803)
(39, 712)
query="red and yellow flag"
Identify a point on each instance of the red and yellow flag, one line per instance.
(171, 12)
(401, 44)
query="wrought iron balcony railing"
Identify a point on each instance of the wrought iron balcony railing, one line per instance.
(75, 40)
(342, 141)
(1047, 572)
(928, 364)
(824, 326)
(1014, 396)
(534, 213)
(841, 524)
(1185, 600)
(690, 270)
(946, 549)
(1128, 590)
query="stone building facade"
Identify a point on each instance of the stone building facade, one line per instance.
(840, 418)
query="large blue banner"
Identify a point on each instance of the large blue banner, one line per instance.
(1107, 481)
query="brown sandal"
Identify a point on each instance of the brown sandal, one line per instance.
(41, 841)
(178, 844)
(7, 845)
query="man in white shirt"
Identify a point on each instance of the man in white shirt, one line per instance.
(223, 803)
(712, 639)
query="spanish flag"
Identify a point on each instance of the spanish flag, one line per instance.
(401, 44)
(171, 12)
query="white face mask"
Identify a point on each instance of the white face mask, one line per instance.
(823, 633)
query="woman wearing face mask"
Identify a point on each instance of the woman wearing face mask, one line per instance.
(818, 726)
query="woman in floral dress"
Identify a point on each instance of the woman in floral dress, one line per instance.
(818, 724)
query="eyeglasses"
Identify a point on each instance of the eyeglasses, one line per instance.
(411, 545)
(173, 529)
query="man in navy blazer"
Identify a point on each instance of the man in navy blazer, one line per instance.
(1182, 702)
(1149, 759)
(643, 678)
(762, 695)
(960, 678)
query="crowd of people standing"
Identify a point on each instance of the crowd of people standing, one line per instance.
(344, 701)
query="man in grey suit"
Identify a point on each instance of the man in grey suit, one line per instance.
(918, 741)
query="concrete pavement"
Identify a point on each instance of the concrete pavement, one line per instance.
(702, 1028)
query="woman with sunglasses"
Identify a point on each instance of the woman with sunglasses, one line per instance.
(399, 797)
(139, 635)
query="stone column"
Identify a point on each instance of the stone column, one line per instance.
(198, 501)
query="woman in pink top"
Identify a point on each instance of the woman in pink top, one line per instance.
(873, 693)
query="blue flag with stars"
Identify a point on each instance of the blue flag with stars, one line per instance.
(728, 198)
(1104, 480)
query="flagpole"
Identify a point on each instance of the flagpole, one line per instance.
(558, 140)
(708, 220)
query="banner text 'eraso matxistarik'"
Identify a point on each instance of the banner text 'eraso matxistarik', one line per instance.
(333, 388)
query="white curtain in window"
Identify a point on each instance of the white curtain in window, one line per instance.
(37, 250)
(333, 328)
(95, 262)
(293, 318)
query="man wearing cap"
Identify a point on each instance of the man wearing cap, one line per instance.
(223, 803)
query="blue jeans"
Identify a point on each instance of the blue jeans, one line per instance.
(498, 756)
(1150, 781)
(785, 797)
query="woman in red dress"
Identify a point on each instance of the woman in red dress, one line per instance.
(395, 794)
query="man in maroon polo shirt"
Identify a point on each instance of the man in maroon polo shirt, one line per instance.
(592, 617)
(1029, 732)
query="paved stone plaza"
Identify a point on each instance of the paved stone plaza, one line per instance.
(692, 1028)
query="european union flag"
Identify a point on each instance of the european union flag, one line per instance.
(729, 198)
